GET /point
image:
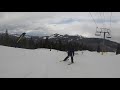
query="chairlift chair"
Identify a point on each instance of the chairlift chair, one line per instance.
(108, 30)
(97, 34)
(108, 36)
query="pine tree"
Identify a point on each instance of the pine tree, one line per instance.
(46, 42)
(81, 46)
(31, 43)
(118, 49)
(60, 44)
(98, 49)
(6, 38)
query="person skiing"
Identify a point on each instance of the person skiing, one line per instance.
(70, 52)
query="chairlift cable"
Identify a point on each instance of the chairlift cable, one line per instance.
(94, 20)
(101, 18)
(110, 19)
(104, 19)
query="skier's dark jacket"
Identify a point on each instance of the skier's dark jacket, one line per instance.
(70, 51)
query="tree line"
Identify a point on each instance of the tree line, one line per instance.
(33, 43)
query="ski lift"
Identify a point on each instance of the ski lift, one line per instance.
(108, 30)
(108, 35)
(97, 34)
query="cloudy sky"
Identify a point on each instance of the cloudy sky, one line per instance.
(73, 23)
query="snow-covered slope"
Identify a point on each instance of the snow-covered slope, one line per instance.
(43, 63)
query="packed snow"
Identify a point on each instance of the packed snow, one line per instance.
(43, 63)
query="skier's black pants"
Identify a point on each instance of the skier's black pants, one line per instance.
(68, 57)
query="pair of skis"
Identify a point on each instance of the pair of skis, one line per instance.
(68, 64)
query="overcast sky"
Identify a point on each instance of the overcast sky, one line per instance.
(46, 23)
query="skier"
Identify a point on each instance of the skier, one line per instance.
(70, 52)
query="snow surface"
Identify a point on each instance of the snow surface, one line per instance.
(43, 63)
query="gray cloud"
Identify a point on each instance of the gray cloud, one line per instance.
(43, 23)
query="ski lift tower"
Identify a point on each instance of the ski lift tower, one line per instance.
(104, 31)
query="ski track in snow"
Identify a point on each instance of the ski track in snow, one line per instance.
(43, 63)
